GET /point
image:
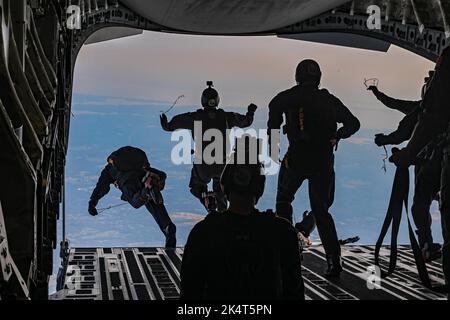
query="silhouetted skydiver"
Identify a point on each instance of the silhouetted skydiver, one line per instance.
(311, 116)
(129, 170)
(433, 125)
(210, 117)
(427, 171)
(242, 253)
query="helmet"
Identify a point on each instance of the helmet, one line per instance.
(308, 72)
(210, 97)
(245, 179)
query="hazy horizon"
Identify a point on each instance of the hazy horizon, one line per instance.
(160, 67)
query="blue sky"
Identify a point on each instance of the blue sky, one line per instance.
(132, 79)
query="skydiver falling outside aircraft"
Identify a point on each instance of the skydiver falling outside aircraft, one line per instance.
(210, 117)
(427, 166)
(129, 169)
(311, 116)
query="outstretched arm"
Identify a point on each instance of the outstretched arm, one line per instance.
(181, 121)
(435, 117)
(239, 120)
(403, 133)
(103, 185)
(404, 106)
(101, 189)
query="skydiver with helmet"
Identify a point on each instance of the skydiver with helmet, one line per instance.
(311, 115)
(129, 170)
(210, 117)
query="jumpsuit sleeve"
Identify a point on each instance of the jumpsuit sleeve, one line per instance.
(293, 286)
(435, 117)
(193, 267)
(181, 121)
(405, 128)
(275, 114)
(103, 185)
(239, 120)
(350, 124)
(404, 106)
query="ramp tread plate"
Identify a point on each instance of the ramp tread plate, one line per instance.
(154, 274)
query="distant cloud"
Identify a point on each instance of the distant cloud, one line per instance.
(360, 141)
(354, 184)
(93, 113)
(95, 234)
(187, 216)
(87, 100)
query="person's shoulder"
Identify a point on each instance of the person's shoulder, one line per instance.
(198, 228)
(288, 92)
(281, 97)
(325, 94)
(284, 225)
(271, 218)
(212, 218)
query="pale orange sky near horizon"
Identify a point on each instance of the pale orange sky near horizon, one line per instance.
(158, 66)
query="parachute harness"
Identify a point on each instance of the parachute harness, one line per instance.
(385, 157)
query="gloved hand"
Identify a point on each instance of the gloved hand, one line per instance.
(374, 89)
(400, 158)
(252, 108)
(164, 122)
(381, 139)
(91, 208)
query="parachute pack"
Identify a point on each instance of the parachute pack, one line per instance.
(129, 159)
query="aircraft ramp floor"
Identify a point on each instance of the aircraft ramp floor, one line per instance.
(153, 274)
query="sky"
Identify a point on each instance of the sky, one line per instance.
(161, 66)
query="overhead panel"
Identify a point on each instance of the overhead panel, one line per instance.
(229, 16)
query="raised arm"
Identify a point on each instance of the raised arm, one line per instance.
(404, 106)
(239, 120)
